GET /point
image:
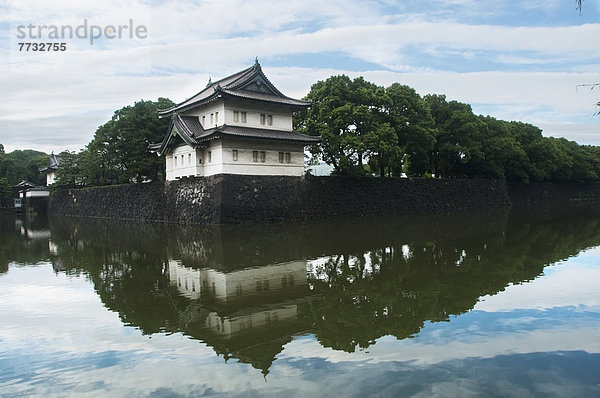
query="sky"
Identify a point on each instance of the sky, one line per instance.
(531, 61)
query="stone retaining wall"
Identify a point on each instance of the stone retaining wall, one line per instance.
(230, 199)
(233, 199)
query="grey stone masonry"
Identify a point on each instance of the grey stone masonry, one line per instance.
(232, 199)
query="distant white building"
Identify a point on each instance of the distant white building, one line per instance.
(238, 125)
(321, 169)
(50, 169)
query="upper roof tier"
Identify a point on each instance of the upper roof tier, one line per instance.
(251, 83)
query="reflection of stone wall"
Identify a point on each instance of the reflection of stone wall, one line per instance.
(234, 199)
(553, 193)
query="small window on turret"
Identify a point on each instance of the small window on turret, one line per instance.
(243, 114)
(234, 153)
(236, 116)
(270, 120)
(262, 119)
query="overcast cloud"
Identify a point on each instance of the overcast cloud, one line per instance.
(522, 61)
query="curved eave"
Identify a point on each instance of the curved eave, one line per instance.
(176, 129)
(293, 137)
(185, 107)
(286, 101)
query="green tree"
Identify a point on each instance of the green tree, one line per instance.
(118, 152)
(5, 188)
(21, 165)
(348, 115)
(411, 118)
(69, 173)
(382, 148)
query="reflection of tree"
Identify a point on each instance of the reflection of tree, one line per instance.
(125, 262)
(19, 242)
(395, 290)
(128, 264)
(371, 277)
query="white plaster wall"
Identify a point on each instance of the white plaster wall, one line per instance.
(195, 162)
(188, 163)
(37, 194)
(281, 121)
(51, 177)
(245, 164)
(215, 166)
(213, 107)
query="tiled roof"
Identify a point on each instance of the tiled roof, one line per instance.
(240, 84)
(266, 97)
(189, 129)
(189, 126)
(53, 162)
(256, 133)
(181, 127)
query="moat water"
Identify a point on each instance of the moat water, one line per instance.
(496, 304)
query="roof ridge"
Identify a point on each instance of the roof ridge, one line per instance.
(235, 84)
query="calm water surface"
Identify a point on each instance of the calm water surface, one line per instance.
(501, 305)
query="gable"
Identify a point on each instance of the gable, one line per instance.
(259, 85)
(249, 83)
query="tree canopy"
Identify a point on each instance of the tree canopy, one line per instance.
(20, 165)
(118, 153)
(390, 131)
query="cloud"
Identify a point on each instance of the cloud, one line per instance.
(526, 72)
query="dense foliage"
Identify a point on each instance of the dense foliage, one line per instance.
(118, 153)
(365, 129)
(17, 166)
(390, 131)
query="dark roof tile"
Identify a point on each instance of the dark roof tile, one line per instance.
(239, 84)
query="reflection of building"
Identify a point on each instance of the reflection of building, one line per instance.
(207, 282)
(31, 233)
(248, 313)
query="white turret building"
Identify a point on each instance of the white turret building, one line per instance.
(238, 125)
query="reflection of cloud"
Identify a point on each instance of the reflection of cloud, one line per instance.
(61, 337)
(389, 349)
(554, 289)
